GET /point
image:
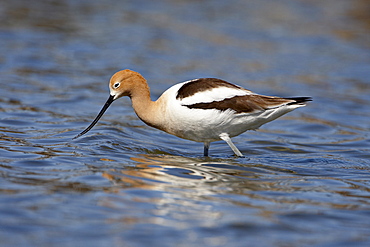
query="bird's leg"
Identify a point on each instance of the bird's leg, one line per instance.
(206, 147)
(227, 139)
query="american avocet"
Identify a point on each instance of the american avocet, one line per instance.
(202, 110)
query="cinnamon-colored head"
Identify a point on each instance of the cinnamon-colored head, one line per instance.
(125, 83)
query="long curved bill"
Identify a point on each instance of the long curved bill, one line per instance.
(105, 107)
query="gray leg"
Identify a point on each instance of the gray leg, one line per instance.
(206, 147)
(227, 139)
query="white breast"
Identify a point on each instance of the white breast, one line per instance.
(198, 124)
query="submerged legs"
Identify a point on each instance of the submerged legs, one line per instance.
(227, 139)
(206, 147)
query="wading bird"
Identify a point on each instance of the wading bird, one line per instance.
(202, 110)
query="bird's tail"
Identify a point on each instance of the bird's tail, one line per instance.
(299, 100)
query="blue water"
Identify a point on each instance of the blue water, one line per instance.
(305, 180)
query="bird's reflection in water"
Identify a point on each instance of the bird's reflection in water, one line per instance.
(186, 190)
(176, 172)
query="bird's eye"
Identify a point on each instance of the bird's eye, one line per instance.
(116, 85)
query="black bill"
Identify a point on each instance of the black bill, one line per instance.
(105, 107)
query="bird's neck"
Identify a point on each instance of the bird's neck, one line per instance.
(147, 110)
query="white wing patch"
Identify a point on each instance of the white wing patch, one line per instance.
(215, 94)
